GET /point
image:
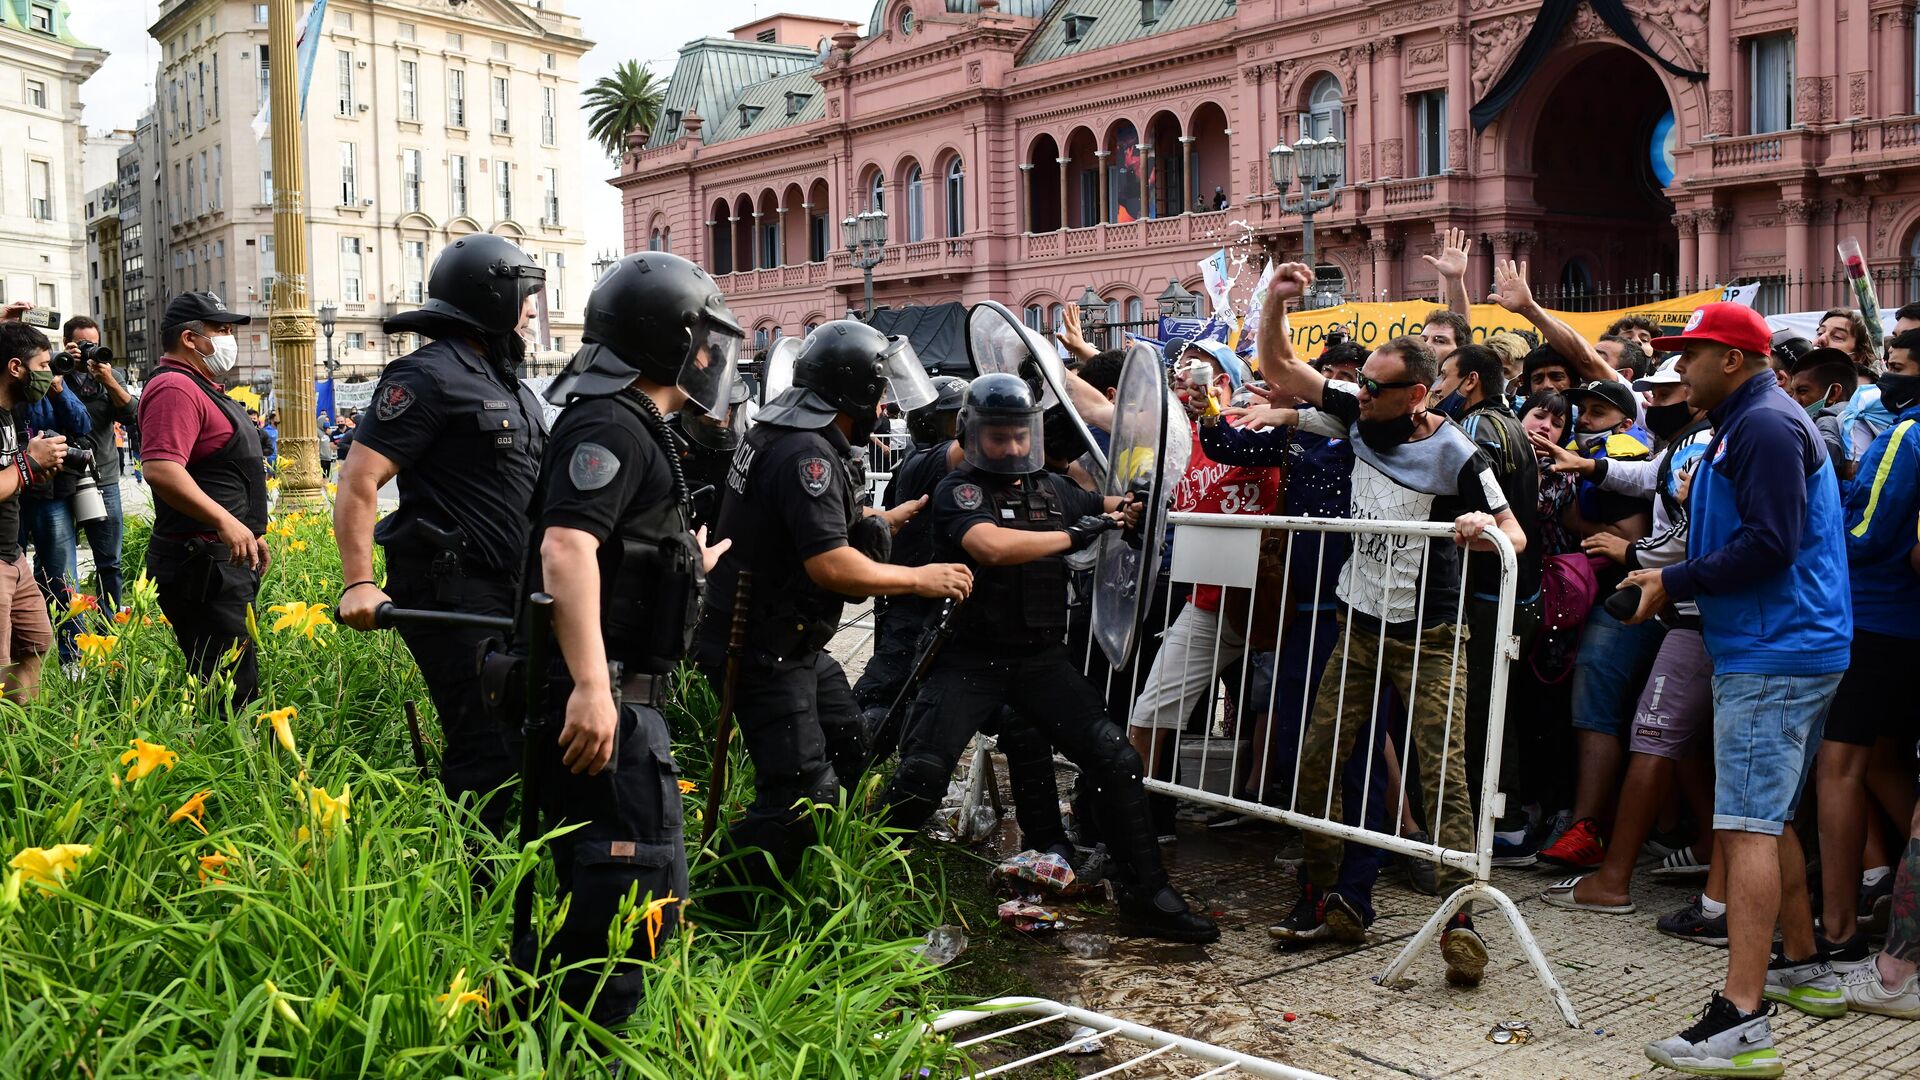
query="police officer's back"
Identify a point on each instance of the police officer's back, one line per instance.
(454, 424)
(618, 553)
(791, 512)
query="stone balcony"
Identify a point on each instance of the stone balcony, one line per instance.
(1211, 228)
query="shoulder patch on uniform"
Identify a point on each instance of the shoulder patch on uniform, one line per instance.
(815, 474)
(395, 399)
(592, 467)
(969, 496)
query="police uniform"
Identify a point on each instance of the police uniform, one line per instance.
(705, 467)
(613, 474)
(899, 620)
(790, 496)
(467, 438)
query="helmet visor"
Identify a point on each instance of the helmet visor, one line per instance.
(907, 383)
(706, 376)
(1010, 444)
(779, 368)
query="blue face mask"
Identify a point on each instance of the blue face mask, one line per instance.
(1519, 403)
(1453, 405)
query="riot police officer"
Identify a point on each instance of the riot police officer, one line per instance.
(1003, 514)
(618, 553)
(791, 512)
(452, 421)
(897, 620)
(706, 446)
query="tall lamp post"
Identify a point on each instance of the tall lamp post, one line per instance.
(329, 316)
(291, 321)
(1093, 316)
(1177, 300)
(1316, 165)
(866, 238)
(601, 265)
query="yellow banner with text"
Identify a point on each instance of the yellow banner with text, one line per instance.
(1374, 324)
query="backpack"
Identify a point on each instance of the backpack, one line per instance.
(1568, 589)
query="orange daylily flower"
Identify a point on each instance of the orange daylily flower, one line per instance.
(191, 812)
(146, 757)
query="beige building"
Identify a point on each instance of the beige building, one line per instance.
(42, 146)
(105, 286)
(425, 121)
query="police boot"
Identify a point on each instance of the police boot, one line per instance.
(1164, 915)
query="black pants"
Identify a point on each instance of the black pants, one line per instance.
(629, 840)
(1045, 689)
(206, 598)
(482, 752)
(1480, 656)
(897, 627)
(806, 737)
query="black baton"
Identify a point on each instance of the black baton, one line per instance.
(888, 735)
(540, 608)
(388, 617)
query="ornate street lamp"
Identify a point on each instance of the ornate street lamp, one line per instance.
(329, 313)
(603, 264)
(1175, 300)
(865, 236)
(1093, 315)
(1316, 165)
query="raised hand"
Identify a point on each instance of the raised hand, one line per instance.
(1451, 262)
(1510, 289)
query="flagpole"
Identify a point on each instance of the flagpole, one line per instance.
(292, 320)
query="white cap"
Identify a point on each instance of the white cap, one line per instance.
(1666, 374)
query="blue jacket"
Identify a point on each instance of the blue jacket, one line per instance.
(1319, 481)
(1766, 561)
(1882, 510)
(62, 413)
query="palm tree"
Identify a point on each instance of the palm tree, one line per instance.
(617, 103)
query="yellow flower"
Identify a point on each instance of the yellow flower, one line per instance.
(191, 812)
(656, 916)
(298, 545)
(328, 810)
(282, 729)
(146, 757)
(688, 787)
(215, 865)
(458, 995)
(50, 866)
(96, 647)
(301, 618)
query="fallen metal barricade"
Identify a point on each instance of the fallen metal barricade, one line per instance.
(1225, 551)
(1164, 1049)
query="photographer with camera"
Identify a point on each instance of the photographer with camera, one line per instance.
(25, 631)
(95, 505)
(46, 517)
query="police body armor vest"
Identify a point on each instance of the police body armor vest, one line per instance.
(651, 576)
(790, 615)
(1021, 605)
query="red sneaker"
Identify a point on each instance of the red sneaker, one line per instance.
(1579, 848)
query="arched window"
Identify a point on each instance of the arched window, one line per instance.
(653, 241)
(1054, 315)
(1326, 114)
(916, 206)
(956, 194)
(877, 193)
(1032, 317)
(760, 340)
(1136, 310)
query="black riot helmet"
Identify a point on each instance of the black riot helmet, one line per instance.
(1000, 426)
(846, 367)
(721, 434)
(479, 283)
(657, 315)
(930, 424)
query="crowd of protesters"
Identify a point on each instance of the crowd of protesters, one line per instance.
(1749, 500)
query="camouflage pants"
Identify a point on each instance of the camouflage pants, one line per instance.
(1437, 689)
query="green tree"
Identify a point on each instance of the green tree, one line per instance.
(617, 103)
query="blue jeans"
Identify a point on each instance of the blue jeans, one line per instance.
(55, 562)
(1766, 731)
(103, 537)
(1610, 671)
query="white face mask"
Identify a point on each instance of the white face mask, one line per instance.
(225, 355)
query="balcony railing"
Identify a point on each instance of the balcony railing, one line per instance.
(1747, 150)
(1900, 135)
(1417, 191)
(1181, 229)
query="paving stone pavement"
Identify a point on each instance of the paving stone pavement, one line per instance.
(1629, 983)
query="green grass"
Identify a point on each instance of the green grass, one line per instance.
(339, 949)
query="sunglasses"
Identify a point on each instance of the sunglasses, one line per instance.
(1373, 387)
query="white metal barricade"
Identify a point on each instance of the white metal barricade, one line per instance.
(1225, 551)
(1089, 1031)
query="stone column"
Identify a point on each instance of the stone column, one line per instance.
(1808, 37)
(1797, 215)
(1720, 68)
(1148, 205)
(1459, 100)
(1391, 114)
(292, 319)
(1025, 217)
(1188, 189)
(1360, 121)
(1713, 227)
(780, 253)
(1856, 58)
(1688, 223)
(1382, 250)
(1895, 68)
(759, 256)
(1100, 164)
(1063, 163)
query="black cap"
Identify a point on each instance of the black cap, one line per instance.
(1813, 358)
(1614, 393)
(201, 307)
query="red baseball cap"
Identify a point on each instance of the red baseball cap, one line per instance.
(1736, 326)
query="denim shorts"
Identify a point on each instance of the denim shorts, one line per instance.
(1610, 671)
(1766, 732)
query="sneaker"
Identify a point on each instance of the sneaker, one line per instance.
(1694, 924)
(1557, 825)
(1662, 844)
(1579, 848)
(1808, 985)
(1421, 876)
(1851, 951)
(1228, 819)
(1681, 863)
(1514, 848)
(1345, 920)
(1464, 951)
(1293, 847)
(1163, 914)
(1722, 1043)
(1864, 992)
(1306, 923)
(1876, 906)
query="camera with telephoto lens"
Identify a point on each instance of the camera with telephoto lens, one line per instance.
(78, 457)
(65, 363)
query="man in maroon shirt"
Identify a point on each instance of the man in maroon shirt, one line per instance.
(204, 461)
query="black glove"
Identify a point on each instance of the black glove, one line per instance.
(1088, 529)
(1132, 533)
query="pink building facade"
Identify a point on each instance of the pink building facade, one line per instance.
(1026, 150)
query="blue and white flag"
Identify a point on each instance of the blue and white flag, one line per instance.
(306, 46)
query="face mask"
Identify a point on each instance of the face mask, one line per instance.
(1665, 421)
(225, 354)
(1519, 403)
(1383, 435)
(863, 425)
(1588, 440)
(1813, 409)
(1453, 405)
(1899, 392)
(37, 385)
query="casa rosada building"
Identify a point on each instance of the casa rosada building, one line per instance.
(1027, 150)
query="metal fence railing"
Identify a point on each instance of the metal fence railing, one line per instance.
(1088, 1033)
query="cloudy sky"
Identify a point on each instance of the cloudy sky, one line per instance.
(114, 97)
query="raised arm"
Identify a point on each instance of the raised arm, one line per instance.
(1284, 372)
(1510, 291)
(1451, 264)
